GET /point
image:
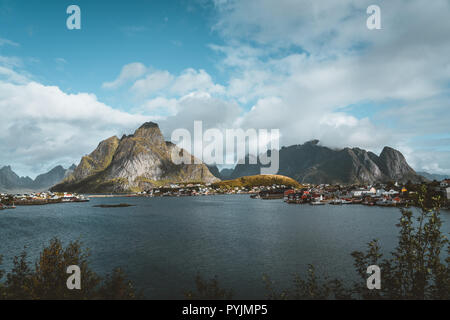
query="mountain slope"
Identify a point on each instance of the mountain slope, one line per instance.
(50, 178)
(97, 161)
(312, 163)
(133, 163)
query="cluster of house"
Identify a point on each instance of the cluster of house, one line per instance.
(368, 195)
(176, 190)
(381, 194)
(40, 198)
(325, 194)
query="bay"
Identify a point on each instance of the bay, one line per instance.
(163, 243)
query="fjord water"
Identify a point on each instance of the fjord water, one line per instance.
(163, 243)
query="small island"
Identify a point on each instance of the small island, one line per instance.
(120, 205)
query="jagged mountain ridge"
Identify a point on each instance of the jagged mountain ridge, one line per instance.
(10, 182)
(434, 176)
(312, 163)
(134, 163)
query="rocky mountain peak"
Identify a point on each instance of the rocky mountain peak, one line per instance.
(314, 142)
(149, 125)
(148, 128)
(391, 152)
(150, 131)
(394, 165)
(136, 162)
(6, 168)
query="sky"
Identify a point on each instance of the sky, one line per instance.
(309, 68)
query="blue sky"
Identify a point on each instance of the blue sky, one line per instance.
(169, 35)
(311, 69)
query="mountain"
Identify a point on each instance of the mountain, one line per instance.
(50, 178)
(10, 182)
(214, 170)
(133, 163)
(312, 163)
(226, 173)
(223, 174)
(433, 176)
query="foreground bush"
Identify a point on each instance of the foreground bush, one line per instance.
(47, 278)
(208, 290)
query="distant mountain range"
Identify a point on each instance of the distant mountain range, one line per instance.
(432, 176)
(10, 182)
(313, 163)
(142, 160)
(133, 163)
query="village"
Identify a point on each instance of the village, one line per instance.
(381, 194)
(385, 195)
(10, 201)
(388, 195)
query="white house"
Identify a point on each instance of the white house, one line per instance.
(357, 193)
(445, 183)
(363, 192)
(392, 192)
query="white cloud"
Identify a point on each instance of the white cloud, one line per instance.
(8, 42)
(12, 76)
(129, 72)
(160, 105)
(163, 82)
(43, 126)
(428, 160)
(328, 26)
(212, 111)
(152, 83)
(192, 80)
(60, 60)
(11, 62)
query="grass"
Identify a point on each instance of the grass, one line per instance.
(258, 180)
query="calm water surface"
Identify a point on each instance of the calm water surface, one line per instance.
(162, 243)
